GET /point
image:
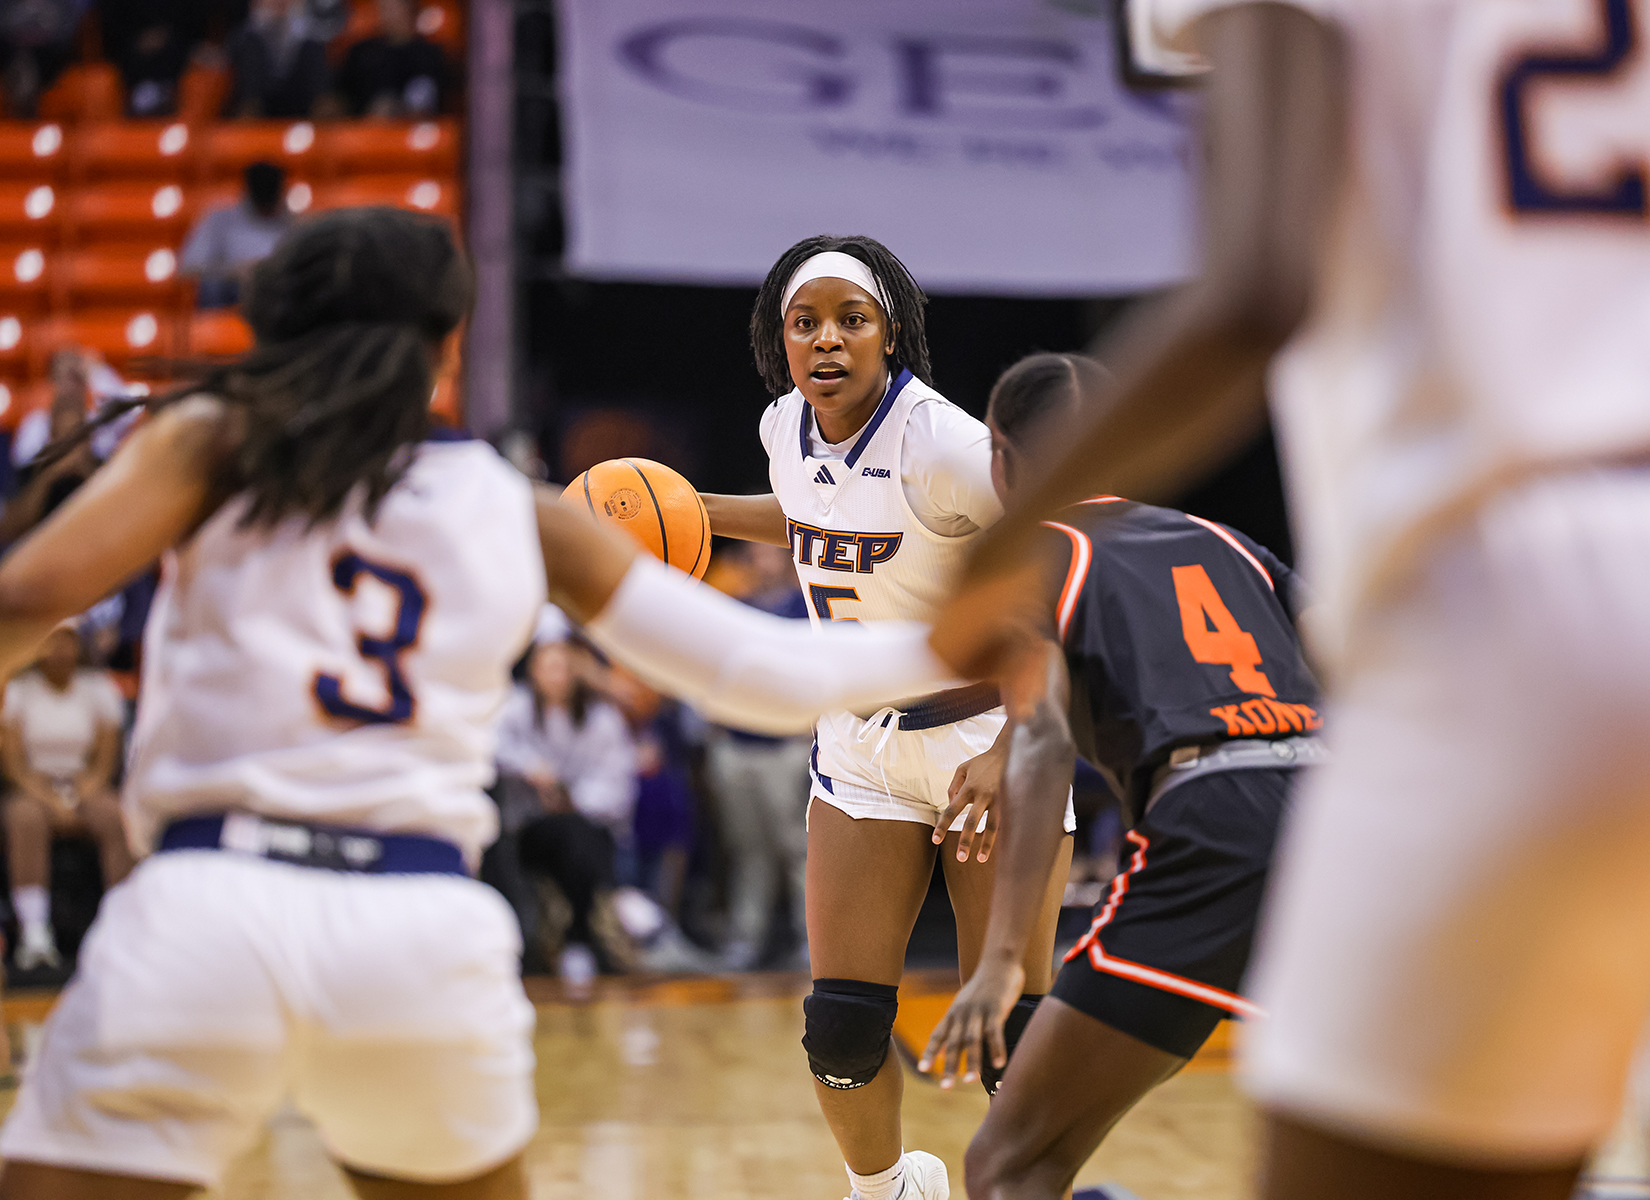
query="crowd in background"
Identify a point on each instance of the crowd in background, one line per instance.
(277, 53)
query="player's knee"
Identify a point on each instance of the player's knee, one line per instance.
(1000, 1163)
(1013, 1027)
(848, 1024)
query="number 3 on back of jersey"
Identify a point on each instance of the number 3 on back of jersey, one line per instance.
(383, 651)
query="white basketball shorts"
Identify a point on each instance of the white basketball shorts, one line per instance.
(213, 987)
(870, 771)
(1456, 959)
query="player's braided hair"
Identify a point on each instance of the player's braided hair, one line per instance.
(348, 314)
(908, 336)
(1040, 385)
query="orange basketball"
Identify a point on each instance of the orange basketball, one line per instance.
(653, 504)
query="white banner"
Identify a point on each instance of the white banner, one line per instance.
(988, 143)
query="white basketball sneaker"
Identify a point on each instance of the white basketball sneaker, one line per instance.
(925, 1177)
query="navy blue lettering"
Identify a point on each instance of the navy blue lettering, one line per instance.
(835, 543)
(877, 548)
(385, 651)
(776, 80)
(1038, 69)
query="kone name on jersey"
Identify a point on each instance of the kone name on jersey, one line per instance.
(841, 550)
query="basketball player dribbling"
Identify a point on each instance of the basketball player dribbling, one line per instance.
(879, 487)
(1444, 203)
(343, 599)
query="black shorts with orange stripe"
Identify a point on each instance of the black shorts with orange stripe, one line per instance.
(1165, 956)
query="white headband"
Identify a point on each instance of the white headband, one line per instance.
(833, 264)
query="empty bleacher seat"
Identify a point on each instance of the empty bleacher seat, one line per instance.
(201, 93)
(217, 334)
(227, 149)
(108, 275)
(20, 397)
(31, 150)
(120, 335)
(401, 148)
(84, 92)
(134, 149)
(141, 211)
(438, 197)
(30, 212)
(25, 281)
(15, 342)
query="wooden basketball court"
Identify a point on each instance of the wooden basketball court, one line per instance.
(678, 1089)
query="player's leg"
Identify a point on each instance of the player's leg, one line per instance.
(866, 883)
(36, 1181)
(28, 856)
(507, 1182)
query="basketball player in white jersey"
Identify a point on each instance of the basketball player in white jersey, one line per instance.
(1443, 203)
(342, 602)
(879, 486)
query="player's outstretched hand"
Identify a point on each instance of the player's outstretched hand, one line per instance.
(972, 1028)
(973, 794)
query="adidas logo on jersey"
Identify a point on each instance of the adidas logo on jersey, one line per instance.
(823, 475)
(877, 472)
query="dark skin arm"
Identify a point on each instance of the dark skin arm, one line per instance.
(1190, 368)
(747, 518)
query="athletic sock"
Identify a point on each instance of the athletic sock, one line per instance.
(884, 1185)
(34, 911)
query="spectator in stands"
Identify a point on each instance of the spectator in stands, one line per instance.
(278, 65)
(42, 489)
(398, 72)
(151, 41)
(227, 242)
(36, 43)
(60, 734)
(566, 756)
(761, 789)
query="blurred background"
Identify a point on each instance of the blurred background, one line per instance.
(623, 172)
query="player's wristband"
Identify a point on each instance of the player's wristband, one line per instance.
(746, 668)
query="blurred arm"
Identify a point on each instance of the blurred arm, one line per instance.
(747, 518)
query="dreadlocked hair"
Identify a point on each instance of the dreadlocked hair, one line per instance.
(909, 340)
(1041, 385)
(348, 314)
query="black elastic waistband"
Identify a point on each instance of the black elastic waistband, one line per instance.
(327, 847)
(949, 707)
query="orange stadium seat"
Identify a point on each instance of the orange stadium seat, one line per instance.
(201, 94)
(120, 335)
(438, 197)
(84, 92)
(402, 148)
(134, 211)
(134, 149)
(31, 150)
(19, 398)
(106, 275)
(25, 280)
(30, 211)
(16, 329)
(218, 333)
(227, 149)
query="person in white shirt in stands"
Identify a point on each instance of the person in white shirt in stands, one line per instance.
(59, 740)
(228, 242)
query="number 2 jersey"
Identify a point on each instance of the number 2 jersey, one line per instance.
(350, 674)
(1483, 309)
(1177, 632)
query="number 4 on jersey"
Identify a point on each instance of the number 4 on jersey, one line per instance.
(1225, 643)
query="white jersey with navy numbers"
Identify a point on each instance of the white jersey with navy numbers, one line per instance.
(350, 674)
(862, 552)
(1483, 313)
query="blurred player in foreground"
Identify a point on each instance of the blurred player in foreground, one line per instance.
(1199, 730)
(1447, 199)
(343, 600)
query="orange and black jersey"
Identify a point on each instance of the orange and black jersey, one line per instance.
(1177, 632)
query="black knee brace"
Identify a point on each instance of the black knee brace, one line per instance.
(847, 1024)
(1013, 1027)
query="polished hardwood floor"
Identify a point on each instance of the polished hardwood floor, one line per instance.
(698, 1088)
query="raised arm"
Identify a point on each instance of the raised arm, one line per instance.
(746, 518)
(159, 486)
(1190, 368)
(735, 664)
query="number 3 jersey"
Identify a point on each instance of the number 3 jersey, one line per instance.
(1177, 632)
(350, 674)
(1483, 309)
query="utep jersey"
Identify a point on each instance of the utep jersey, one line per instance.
(1483, 309)
(1177, 632)
(861, 554)
(349, 674)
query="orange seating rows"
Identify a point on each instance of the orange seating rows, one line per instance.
(120, 334)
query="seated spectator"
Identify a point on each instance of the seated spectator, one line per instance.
(36, 43)
(397, 73)
(60, 735)
(567, 769)
(228, 242)
(278, 66)
(42, 488)
(151, 41)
